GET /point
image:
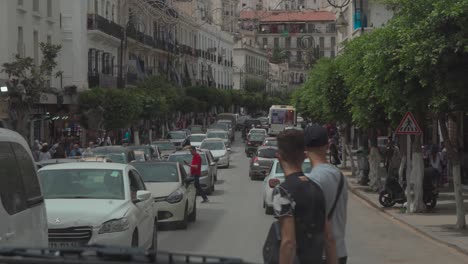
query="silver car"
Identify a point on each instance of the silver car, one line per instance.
(220, 134)
(208, 169)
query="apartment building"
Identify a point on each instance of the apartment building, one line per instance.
(251, 66)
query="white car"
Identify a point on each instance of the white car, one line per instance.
(98, 203)
(196, 139)
(257, 131)
(220, 134)
(274, 178)
(218, 149)
(23, 219)
(174, 191)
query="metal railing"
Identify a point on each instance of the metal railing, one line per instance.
(97, 22)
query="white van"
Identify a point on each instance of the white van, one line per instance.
(23, 220)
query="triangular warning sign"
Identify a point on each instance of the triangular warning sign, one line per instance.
(408, 126)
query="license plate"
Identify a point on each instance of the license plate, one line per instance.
(54, 245)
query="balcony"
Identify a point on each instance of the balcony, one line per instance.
(101, 80)
(97, 22)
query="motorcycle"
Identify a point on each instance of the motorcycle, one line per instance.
(394, 193)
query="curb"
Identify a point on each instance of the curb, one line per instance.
(412, 227)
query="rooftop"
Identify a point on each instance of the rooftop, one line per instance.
(288, 16)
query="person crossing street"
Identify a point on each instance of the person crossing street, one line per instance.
(195, 172)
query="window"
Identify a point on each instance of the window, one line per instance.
(90, 60)
(331, 28)
(332, 53)
(36, 5)
(276, 42)
(288, 42)
(36, 47)
(322, 53)
(28, 173)
(49, 39)
(107, 10)
(20, 42)
(311, 28)
(322, 42)
(113, 12)
(299, 56)
(333, 42)
(264, 42)
(12, 191)
(49, 8)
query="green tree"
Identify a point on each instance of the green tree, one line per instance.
(27, 82)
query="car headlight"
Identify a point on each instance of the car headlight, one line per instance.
(176, 196)
(114, 225)
(256, 164)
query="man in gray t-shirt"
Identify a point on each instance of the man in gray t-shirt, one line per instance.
(328, 177)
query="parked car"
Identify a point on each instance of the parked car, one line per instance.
(177, 137)
(220, 134)
(208, 170)
(196, 139)
(174, 191)
(253, 142)
(117, 154)
(196, 129)
(218, 149)
(23, 219)
(261, 162)
(275, 177)
(98, 203)
(270, 141)
(166, 148)
(148, 150)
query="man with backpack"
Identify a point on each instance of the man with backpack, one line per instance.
(300, 207)
(333, 185)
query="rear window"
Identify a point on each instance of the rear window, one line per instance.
(257, 137)
(269, 153)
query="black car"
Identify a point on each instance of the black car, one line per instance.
(252, 143)
(250, 123)
(261, 163)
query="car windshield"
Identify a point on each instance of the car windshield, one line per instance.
(271, 142)
(116, 155)
(82, 184)
(257, 137)
(306, 168)
(176, 135)
(165, 145)
(197, 138)
(217, 135)
(213, 145)
(186, 157)
(158, 172)
(267, 153)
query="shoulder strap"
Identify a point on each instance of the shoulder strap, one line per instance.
(338, 193)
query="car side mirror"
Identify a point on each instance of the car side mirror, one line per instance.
(213, 164)
(143, 195)
(229, 149)
(189, 180)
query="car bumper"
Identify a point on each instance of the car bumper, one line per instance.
(223, 161)
(168, 213)
(258, 171)
(123, 239)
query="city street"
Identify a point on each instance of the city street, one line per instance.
(233, 224)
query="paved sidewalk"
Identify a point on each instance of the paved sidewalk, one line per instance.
(437, 224)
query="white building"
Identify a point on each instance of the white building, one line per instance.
(250, 66)
(225, 14)
(24, 24)
(294, 4)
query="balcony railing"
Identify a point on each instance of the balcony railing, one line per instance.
(97, 22)
(101, 80)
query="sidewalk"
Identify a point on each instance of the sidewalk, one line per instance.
(437, 224)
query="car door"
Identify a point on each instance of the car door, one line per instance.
(215, 168)
(145, 212)
(210, 167)
(190, 190)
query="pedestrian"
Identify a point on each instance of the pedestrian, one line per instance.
(299, 205)
(334, 154)
(436, 163)
(333, 185)
(36, 149)
(195, 172)
(75, 152)
(59, 151)
(44, 154)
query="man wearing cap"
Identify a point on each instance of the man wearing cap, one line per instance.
(333, 185)
(195, 172)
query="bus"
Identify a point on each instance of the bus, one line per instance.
(280, 117)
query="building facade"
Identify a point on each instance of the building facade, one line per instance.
(251, 67)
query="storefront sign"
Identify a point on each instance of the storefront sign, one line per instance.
(46, 98)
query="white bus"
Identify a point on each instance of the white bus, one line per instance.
(280, 117)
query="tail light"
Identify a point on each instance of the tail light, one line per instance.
(249, 143)
(273, 183)
(254, 159)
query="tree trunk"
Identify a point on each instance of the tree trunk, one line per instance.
(136, 137)
(417, 174)
(453, 155)
(150, 136)
(353, 163)
(375, 172)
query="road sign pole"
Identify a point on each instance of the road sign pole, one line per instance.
(409, 179)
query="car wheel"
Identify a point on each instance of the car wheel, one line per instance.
(193, 215)
(154, 243)
(184, 223)
(135, 238)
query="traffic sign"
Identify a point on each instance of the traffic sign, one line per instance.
(408, 126)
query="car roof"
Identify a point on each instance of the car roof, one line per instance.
(214, 139)
(198, 135)
(267, 147)
(87, 165)
(7, 135)
(217, 131)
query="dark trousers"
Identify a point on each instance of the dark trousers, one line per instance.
(341, 260)
(199, 188)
